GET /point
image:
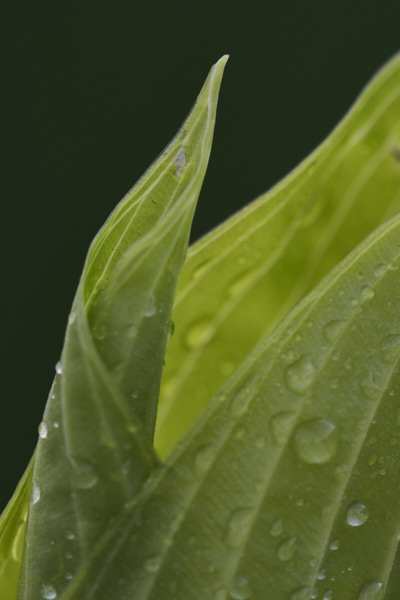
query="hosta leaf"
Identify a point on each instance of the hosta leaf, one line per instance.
(241, 279)
(12, 535)
(288, 484)
(95, 447)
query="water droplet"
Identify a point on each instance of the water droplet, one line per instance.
(334, 545)
(371, 590)
(242, 398)
(367, 293)
(35, 493)
(276, 528)
(180, 162)
(71, 318)
(49, 592)
(153, 563)
(199, 333)
(321, 574)
(100, 331)
(380, 270)
(43, 430)
(70, 535)
(151, 307)
(240, 283)
(240, 588)
(84, 475)
(236, 528)
(171, 329)
(327, 595)
(202, 459)
(391, 348)
(333, 329)
(300, 375)
(281, 425)
(287, 549)
(316, 441)
(68, 575)
(300, 594)
(357, 514)
(18, 542)
(59, 367)
(56, 425)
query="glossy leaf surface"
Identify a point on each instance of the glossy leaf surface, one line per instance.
(241, 279)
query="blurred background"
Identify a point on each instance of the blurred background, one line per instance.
(93, 91)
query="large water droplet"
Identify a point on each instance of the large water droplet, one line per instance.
(300, 594)
(357, 514)
(240, 588)
(237, 527)
(300, 375)
(333, 329)
(199, 333)
(35, 493)
(316, 441)
(287, 549)
(202, 459)
(151, 307)
(43, 430)
(390, 348)
(49, 592)
(59, 368)
(84, 473)
(153, 563)
(371, 590)
(281, 425)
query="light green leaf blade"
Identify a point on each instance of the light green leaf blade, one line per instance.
(12, 535)
(280, 469)
(95, 453)
(241, 279)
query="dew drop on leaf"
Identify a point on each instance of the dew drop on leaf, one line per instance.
(280, 426)
(334, 545)
(333, 329)
(18, 542)
(239, 284)
(49, 592)
(276, 528)
(300, 375)
(367, 293)
(240, 588)
(198, 333)
(327, 595)
(151, 307)
(371, 590)
(84, 474)
(59, 367)
(236, 528)
(202, 459)
(380, 270)
(43, 430)
(357, 514)
(152, 563)
(316, 441)
(35, 493)
(287, 549)
(390, 348)
(180, 162)
(70, 535)
(71, 318)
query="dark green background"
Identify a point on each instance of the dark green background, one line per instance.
(92, 92)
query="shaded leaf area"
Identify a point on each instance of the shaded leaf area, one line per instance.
(95, 442)
(288, 484)
(240, 280)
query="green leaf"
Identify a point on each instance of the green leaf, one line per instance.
(95, 448)
(241, 279)
(288, 484)
(12, 535)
